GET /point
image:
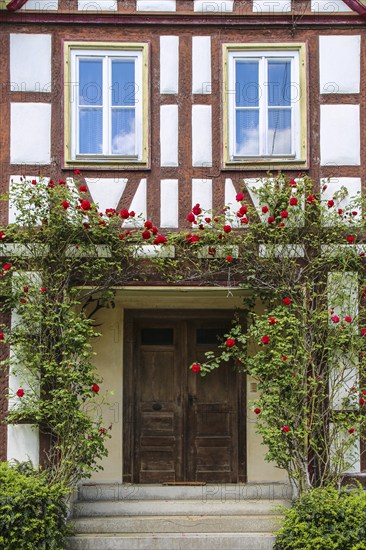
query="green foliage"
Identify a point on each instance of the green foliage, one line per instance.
(325, 519)
(32, 514)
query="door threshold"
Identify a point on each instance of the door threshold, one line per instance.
(183, 483)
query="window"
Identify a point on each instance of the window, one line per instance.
(265, 104)
(106, 104)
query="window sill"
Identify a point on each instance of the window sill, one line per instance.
(266, 164)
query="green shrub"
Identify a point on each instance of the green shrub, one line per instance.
(32, 514)
(325, 519)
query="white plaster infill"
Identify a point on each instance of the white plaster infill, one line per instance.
(282, 250)
(201, 64)
(97, 5)
(271, 6)
(339, 58)
(30, 62)
(169, 208)
(214, 6)
(340, 135)
(169, 135)
(30, 133)
(155, 5)
(153, 251)
(88, 251)
(216, 252)
(201, 135)
(169, 64)
(329, 6)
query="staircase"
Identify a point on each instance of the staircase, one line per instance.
(155, 517)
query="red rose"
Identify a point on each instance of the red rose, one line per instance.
(285, 429)
(124, 214)
(2, 235)
(1, 336)
(335, 319)
(257, 410)
(361, 401)
(160, 239)
(293, 201)
(243, 210)
(239, 197)
(207, 220)
(7, 267)
(230, 342)
(354, 213)
(229, 259)
(110, 212)
(20, 392)
(350, 239)
(195, 367)
(192, 238)
(281, 224)
(311, 199)
(265, 339)
(284, 214)
(65, 204)
(77, 172)
(284, 357)
(270, 219)
(244, 221)
(264, 209)
(132, 214)
(34, 182)
(196, 210)
(286, 301)
(292, 183)
(154, 230)
(102, 431)
(43, 289)
(85, 205)
(272, 321)
(340, 211)
(330, 203)
(146, 234)
(191, 218)
(95, 388)
(363, 331)
(83, 189)
(351, 431)
(23, 300)
(148, 225)
(227, 228)
(348, 319)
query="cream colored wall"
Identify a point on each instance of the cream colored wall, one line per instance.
(109, 350)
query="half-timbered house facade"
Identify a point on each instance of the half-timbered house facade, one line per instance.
(178, 135)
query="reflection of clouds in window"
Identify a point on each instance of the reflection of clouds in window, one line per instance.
(279, 131)
(249, 143)
(123, 132)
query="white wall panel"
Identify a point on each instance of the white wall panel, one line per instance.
(97, 5)
(155, 5)
(329, 6)
(169, 64)
(106, 192)
(271, 6)
(169, 135)
(339, 58)
(353, 186)
(214, 6)
(169, 211)
(30, 133)
(138, 205)
(23, 443)
(30, 62)
(202, 193)
(201, 135)
(201, 64)
(41, 5)
(340, 135)
(232, 203)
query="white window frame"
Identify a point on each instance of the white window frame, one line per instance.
(263, 52)
(138, 52)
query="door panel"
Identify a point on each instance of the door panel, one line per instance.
(185, 427)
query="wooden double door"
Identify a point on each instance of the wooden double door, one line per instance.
(179, 426)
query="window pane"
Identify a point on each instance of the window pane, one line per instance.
(123, 82)
(123, 131)
(90, 81)
(247, 132)
(279, 83)
(247, 86)
(279, 131)
(157, 337)
(90, 131)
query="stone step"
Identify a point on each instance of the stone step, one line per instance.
(221, 491)
(176, 524)
(177, 508)
(172, 541)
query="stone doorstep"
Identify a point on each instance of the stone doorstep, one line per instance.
(176, 508)
(176, 524)
(174, 541)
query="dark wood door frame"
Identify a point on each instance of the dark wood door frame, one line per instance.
(132, 319)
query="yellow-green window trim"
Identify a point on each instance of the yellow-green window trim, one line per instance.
(102, 161)
(261, 162)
